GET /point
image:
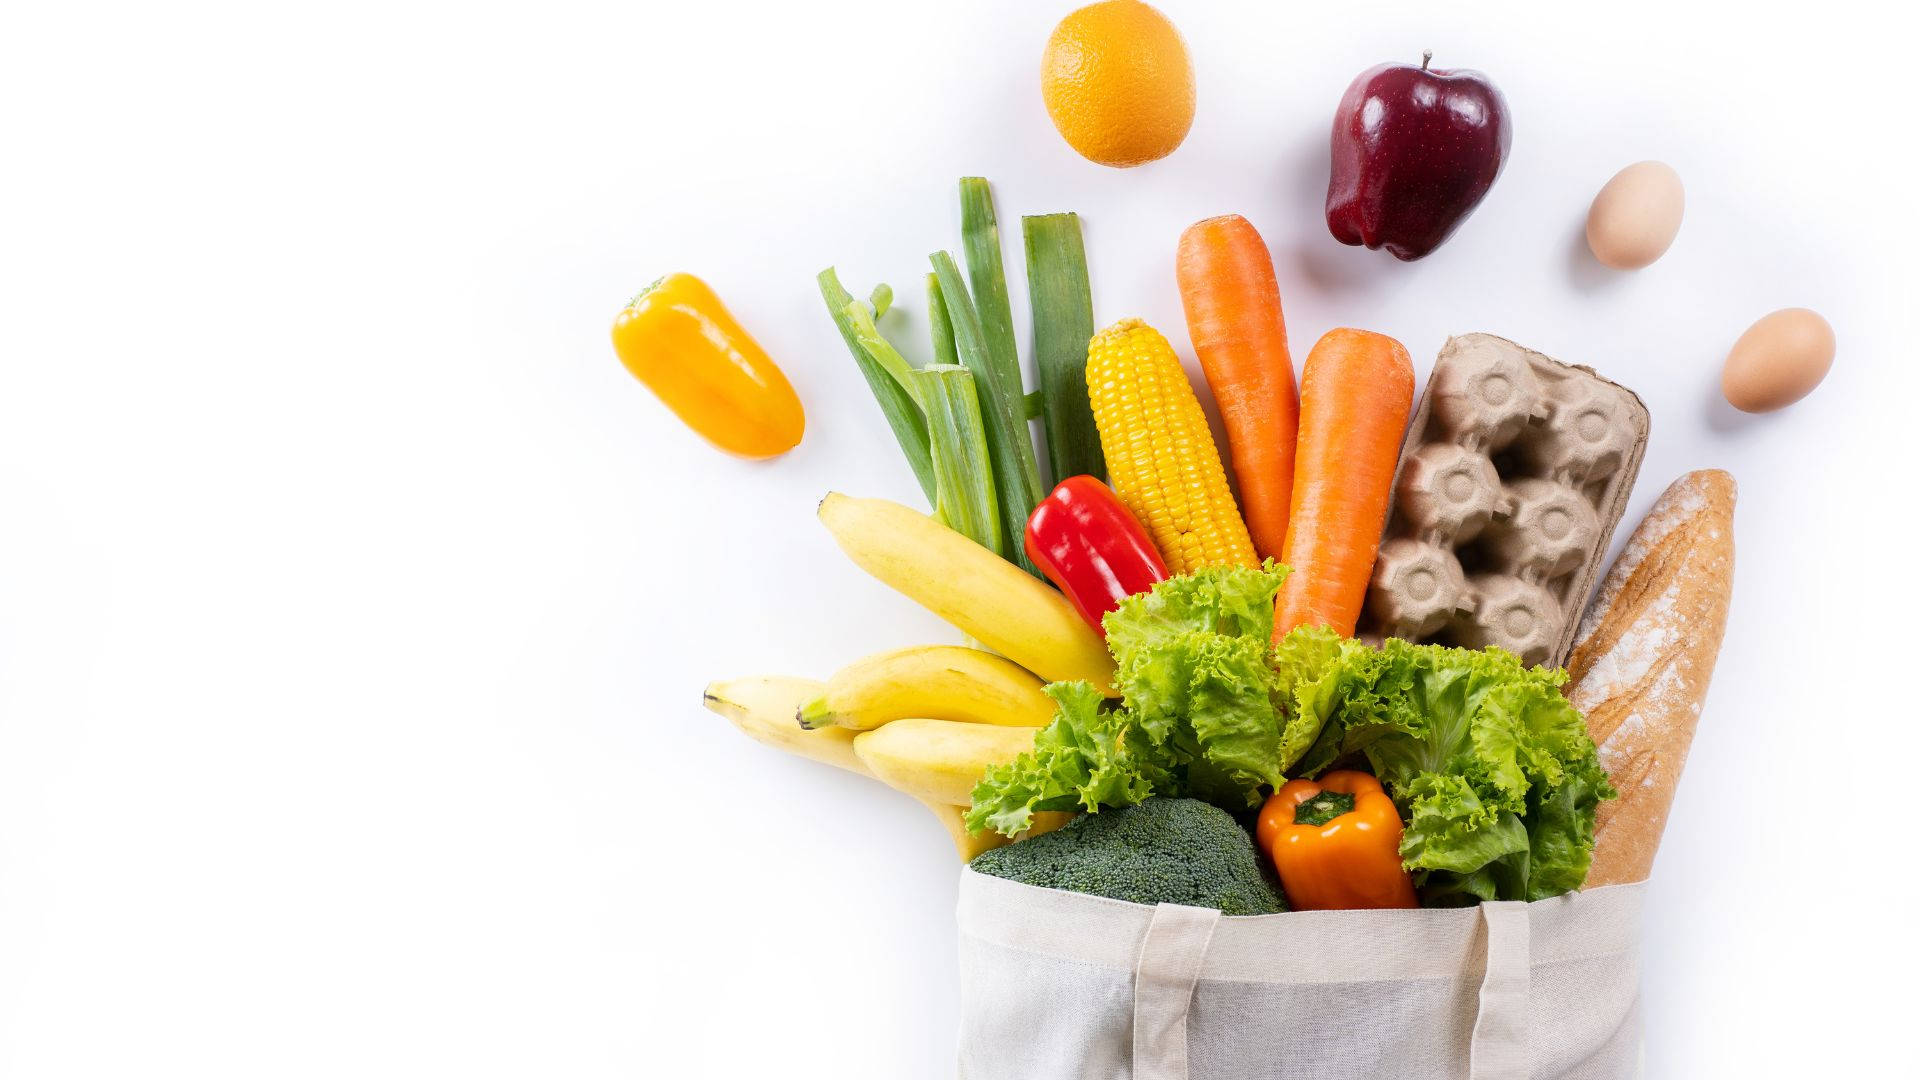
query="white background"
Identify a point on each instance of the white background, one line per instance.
(355, 603)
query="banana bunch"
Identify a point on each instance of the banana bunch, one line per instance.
(931, 719)
(927, 721)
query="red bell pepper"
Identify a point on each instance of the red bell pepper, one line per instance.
(1092, 547)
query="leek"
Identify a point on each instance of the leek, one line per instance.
(963, 497)
(940, 323)
(1003, 409)
(1062, 325)
(961, 469)
(882, 352)
(980, 239)
(897, 403)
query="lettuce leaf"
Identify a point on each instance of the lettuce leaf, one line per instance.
(1305, 662)
(1560, 831)
(1085, 759)
(1493, 770)
(1191, 667)
(1202, 710)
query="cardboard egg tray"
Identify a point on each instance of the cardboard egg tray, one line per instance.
(1513, 475)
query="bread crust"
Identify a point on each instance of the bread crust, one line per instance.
(1642, 661)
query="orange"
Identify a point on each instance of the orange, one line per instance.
(1118, 83)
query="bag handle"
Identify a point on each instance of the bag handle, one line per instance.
(1175, 946)
(1171, 953)
(1499, 1048)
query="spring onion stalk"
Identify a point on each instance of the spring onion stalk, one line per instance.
(903, 414)
(963, 496)
(961, 468)
(940, 324)
(987, 278)
(1003, 409)
(1062, 326)
(882, 352)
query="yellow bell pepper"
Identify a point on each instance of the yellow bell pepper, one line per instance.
(680, 340)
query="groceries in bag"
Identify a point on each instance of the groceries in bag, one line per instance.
(1152, 717)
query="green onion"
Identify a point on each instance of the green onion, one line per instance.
(980, 239)
(896, 401)
(940, 323)
(960, 461)
(882, 352)
(1062, 326)
(1009, 440)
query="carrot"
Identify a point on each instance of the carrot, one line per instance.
(1356, 392)
(1233, 317)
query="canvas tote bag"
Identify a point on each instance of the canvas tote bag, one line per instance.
(1062, 986)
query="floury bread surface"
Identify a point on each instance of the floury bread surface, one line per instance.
(1514, 472)
(1642, 661)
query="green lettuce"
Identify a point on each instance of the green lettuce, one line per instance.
(1191, 667)
(1305, 663)
(1202, 711)
(1493, 770)
(1088, 757)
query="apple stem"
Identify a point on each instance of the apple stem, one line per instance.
(1426, 57)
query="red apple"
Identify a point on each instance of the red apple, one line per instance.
(1414, 151)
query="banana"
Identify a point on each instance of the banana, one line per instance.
(763, 708)
(966, 843)
(971, 844)
(940, 760)
(996, 602)
(939, 682)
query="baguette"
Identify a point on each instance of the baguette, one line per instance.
(1642, 660)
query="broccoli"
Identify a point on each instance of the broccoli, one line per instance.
(1173, 851)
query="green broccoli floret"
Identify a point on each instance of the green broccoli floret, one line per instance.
(1171, 851)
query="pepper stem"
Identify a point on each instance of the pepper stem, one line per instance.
(642, 294)
(1323, 808)
(1426, 57)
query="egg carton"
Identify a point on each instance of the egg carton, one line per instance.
(1513, 475)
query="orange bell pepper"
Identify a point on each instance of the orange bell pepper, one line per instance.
(1336, 844)
(680, 340)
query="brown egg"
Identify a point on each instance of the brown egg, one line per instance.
(1636, 216)
(1778, 361)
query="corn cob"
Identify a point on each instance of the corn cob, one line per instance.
(1160, 454)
